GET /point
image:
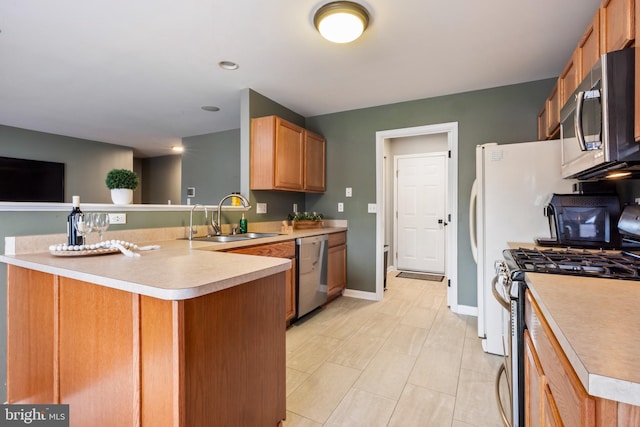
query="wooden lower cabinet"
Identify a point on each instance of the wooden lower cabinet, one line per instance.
(281, 250)
(336, 264)
(123, 359)
(554, 395)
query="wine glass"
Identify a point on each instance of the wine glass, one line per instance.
(99, 222)
(83, 226)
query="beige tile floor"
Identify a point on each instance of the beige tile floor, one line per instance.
(404, 361)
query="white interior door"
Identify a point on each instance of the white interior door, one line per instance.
(421, 212)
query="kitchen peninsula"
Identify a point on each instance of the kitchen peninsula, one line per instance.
(185, 335)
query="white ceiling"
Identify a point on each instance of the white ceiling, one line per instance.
(136, 72)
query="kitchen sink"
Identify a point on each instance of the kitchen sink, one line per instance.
(259, 235)
(223, 238)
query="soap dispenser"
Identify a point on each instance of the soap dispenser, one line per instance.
(243, 224)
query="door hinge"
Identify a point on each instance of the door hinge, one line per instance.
(448, 283)
(449, 218)
(449, 153)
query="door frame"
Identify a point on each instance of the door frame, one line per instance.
(395, 201)
(451, 129)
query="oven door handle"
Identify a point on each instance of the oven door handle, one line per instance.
(503, 413)
(497, 296)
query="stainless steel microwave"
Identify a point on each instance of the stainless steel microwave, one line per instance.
(596, 123)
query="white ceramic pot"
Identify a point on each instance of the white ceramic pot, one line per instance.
(121, 196)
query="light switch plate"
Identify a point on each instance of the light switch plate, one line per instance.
(348, 192)
(340, 207)
(261, 208)
(372, 208)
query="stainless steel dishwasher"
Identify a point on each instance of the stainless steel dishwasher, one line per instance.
(311, 283)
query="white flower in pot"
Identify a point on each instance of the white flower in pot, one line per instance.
(121, 182)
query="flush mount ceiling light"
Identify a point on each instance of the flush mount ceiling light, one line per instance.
(341, 21)
(178, 148)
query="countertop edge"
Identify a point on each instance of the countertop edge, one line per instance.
(152, 291)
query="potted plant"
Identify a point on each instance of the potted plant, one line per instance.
(306, 220)
(121, 182)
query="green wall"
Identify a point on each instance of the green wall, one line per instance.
(505, 115)
(86, 162)
(211, 164)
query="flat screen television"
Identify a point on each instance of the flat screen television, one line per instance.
(23, 180)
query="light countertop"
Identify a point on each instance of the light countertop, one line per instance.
(596, 323)
(178, 270)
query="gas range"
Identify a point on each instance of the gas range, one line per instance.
(622, 265)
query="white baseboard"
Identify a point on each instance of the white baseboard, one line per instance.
(371, 296)
(466, 310)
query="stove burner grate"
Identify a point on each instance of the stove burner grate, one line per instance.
(615, 265)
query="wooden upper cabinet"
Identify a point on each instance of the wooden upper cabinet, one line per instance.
(569, 78)
(617, 25)
(553, 111)
(314, 163)
(542, 123)
(280, 156)
(589, 46)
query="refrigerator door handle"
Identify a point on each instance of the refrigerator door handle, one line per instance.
(473, 232)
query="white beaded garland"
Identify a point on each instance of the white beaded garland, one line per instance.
(107, 244)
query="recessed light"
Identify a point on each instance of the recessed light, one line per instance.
(178, 148)
(210, 108)
(228, 65)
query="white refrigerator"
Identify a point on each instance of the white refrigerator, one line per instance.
(513, 184)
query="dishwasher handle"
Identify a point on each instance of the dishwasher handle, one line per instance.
(311, 239)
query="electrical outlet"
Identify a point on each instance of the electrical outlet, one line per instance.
(295, 208)
(117, 218)
(191, 191)
(261, 208)
(348, 192)
(372, 208)
(340, 207)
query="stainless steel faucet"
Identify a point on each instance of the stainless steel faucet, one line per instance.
(217, 227)
(206, 216)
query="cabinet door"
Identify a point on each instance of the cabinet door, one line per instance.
(542, 123)
(550, 410)
(289, 152)
(279, 250)
(617, 24)
(533, 384)
(569, 79)
(589, 46)
(553, 111)
(336, 270)
(314, 163)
